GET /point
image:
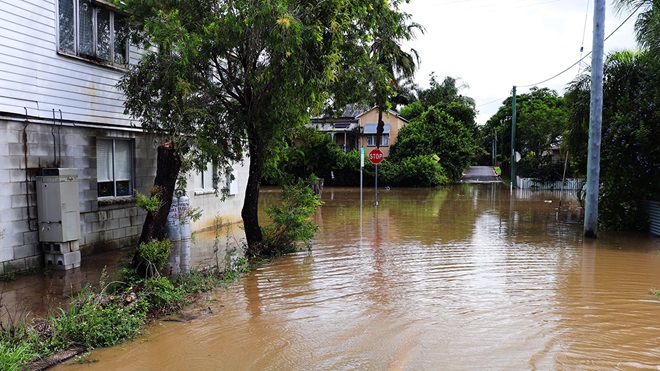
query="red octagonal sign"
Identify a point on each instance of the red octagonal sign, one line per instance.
(376, 156)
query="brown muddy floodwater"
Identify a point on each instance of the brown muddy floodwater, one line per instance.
(461, 278)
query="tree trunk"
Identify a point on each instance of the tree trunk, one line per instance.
(379, 128)
(167, 171)
(250, 212)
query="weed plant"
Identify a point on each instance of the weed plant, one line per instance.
(13, 356)
(95, 319)
(105, 315)
(113, 312)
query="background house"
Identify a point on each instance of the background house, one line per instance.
(59, 109)
(357, 128)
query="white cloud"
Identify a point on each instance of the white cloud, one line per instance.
(495, 44)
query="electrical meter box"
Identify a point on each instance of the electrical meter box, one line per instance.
(58, 205)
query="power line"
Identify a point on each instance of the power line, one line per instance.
(584, 32)
(493, 101)
(588, 54)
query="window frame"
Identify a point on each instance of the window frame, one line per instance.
(207, 180)
(231, 181)
(384, 140)
(97, 7)
(131, 172)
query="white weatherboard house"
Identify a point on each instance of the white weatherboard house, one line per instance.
(70, 159)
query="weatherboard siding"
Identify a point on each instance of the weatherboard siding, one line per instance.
(36, 78)
(37, 82)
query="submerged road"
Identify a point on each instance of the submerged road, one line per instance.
(463, 277)
(480, 174)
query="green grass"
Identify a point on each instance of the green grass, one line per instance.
(105, 315)
(15, 356)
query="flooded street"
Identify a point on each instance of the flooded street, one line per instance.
(461, 278)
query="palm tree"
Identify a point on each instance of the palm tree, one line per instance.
(391, 62)
(647, 26)
(629, 153)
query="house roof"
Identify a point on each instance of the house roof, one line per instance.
(337, 127)
(354, 112)
(391, 112)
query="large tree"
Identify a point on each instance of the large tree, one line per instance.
(392, 63)
(437, 133)
(228, 77)
(447, 96)
(630, 156)
(442, 123)
(541, 121)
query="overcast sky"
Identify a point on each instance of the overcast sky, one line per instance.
(492, 45)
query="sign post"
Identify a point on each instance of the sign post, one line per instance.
(361, 168)
(376, 157)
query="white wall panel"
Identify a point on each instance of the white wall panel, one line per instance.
(35, 76)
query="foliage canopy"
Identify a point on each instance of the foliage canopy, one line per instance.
(437, 133)
(630, 156)
(541, 122)
(226, 78)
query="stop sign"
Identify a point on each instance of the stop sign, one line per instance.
(376, 156)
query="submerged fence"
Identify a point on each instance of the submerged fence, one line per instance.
(568, 184)
(653, 210)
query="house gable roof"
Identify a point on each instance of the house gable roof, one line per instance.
(390, 112)
(352, 112)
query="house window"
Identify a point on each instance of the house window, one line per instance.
(114, 167)
(232, 183)
(384, 140)
(92, 31)
(370, 132)
(205, 179)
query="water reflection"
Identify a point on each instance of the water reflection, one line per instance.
(38, 295)
(462, 278)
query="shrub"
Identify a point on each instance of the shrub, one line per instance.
(313, 154)
(346, 170)
(154, 255)
(436, 132)
(291, 221)
(416, 171)
(420, 171)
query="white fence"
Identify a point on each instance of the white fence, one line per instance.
(653, 210)
(569, 184)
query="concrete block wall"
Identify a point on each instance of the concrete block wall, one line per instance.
(105, 225)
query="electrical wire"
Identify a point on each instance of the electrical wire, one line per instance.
(584, 33)
(588, 54)
(493, 101)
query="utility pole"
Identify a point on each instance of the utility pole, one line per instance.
(513, 138)
(595, 122)
(494, 148)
